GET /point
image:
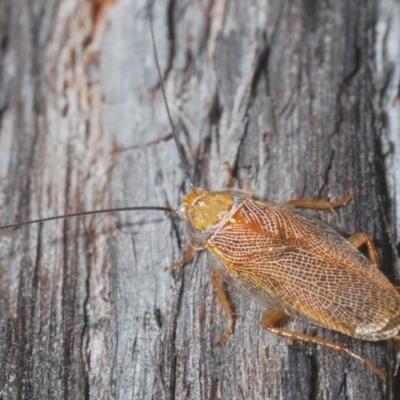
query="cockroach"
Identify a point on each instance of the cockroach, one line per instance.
(293, 265)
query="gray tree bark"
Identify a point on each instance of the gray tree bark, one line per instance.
(301, 98)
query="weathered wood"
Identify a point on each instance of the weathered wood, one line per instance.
(299, 97)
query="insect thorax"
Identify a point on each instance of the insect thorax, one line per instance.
(205, 212)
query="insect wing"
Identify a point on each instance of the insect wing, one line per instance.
(308, 268)
(268, 300)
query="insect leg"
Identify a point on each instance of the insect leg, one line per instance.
(321, 204)
(187, 257)
(231, 179)
(226, 305)
(359, 239)
(269, 319)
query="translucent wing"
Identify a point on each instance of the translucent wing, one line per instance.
(306, 267)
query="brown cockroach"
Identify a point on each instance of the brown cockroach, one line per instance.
(293, 265)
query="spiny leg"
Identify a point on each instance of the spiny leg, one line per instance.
(187, 257)
(226, 305)
(321, 204)
(270, 318)
(359, 239)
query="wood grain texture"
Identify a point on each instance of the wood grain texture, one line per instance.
(300, 97)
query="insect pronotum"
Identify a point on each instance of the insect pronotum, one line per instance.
(285, 261)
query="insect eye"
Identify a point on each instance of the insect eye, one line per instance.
(181, 211)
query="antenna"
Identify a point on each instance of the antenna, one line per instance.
(174, 134)
(167, 209)
(143, 208)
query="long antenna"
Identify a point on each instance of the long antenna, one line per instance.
(167, 209)
(174, 134)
